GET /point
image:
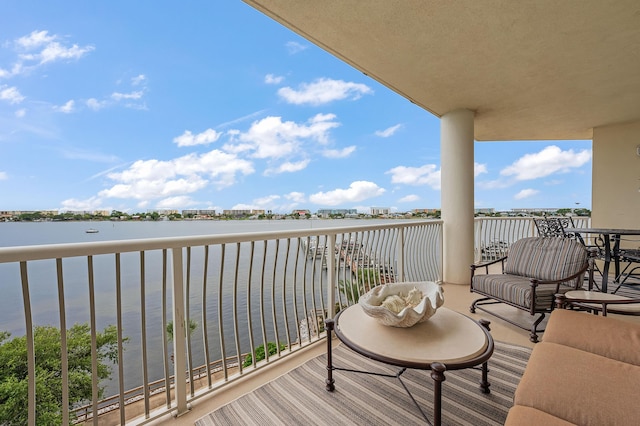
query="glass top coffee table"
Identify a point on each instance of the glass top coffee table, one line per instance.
(446, 341)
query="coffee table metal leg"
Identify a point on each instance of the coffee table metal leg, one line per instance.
(330, 383)
(437, 374)
(484, 383)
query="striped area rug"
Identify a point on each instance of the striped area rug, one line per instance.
(300, 398)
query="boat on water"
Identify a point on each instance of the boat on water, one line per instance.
(92, 231)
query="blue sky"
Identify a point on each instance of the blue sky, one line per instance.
(148, 105)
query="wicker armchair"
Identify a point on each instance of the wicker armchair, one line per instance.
(535, 270)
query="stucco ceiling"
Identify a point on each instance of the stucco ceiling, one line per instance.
(530, 70)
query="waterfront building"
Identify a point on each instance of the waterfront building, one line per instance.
(380, 211)
(326, 213)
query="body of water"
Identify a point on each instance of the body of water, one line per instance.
(44, 296)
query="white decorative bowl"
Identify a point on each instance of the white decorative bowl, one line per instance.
(432, 299)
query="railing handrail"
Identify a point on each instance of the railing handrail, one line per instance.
(64, 250)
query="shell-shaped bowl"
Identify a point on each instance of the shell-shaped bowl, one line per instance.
(432, 299)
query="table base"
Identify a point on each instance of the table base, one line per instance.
(437, 374)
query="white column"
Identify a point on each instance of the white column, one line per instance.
(456, 162)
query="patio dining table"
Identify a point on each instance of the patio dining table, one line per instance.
(611, 238)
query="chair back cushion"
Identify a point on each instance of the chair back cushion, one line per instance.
(546, 258)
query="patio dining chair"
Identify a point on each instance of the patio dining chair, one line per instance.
(552, 226)
(557, 227)
(630, 275)
(536, 269)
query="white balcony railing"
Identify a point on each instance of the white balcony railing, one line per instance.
(240, 291)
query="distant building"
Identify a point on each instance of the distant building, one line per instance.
(425, 211)
(333, 212)
(484, 211)
(301, 213)
(242, 212)
(199, 214)
(532, 210)
(379, 211)
(164, 212)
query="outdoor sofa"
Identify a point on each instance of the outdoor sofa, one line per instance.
(585, 371)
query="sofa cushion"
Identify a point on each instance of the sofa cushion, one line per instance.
(527, 416)
(546, 258)
(610, 337)
(579, 387)
(516, 289)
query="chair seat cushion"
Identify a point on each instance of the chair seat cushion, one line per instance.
(516, 290)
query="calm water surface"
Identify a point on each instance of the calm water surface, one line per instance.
(43, 290)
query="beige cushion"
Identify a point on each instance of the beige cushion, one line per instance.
(610, 337)
(527, 416)
(580, 387)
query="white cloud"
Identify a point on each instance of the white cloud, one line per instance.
(151, 179)
(176, 203)
(117, 96)
(357, 191)
(35, 40)
(204, 138)
(294, 47)
(494, 184)
(55, 51)
(390, 131)
(479, 169)
(67, 108)
(297, 197)
(339, 153)
(425, 175)
(323, 91)
(525, 193)
(273, 138)
(243, 206)
(42, 48)
(273, 79)
(133, 99)
(11, 95)
(4, 176)
(92, 203)
(267, 200)
(409, 199)
(138, 80)
(86, 155)
(241, 119)
(288, 167)
(95, 104)
(546, 162)
(21, 113)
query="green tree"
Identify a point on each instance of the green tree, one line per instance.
(367, 278)
(192, 326)
(260, 355)
(48, 370)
